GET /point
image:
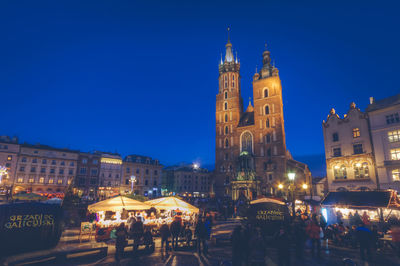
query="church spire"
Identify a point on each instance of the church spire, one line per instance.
(228, 53)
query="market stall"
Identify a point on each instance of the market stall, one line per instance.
(111, 212)
(371, 205)
(169, 207)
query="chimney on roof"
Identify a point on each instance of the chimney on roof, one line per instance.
(371, 100)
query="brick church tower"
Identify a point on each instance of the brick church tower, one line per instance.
(251, 157)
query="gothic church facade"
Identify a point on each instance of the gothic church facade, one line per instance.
(251, 157)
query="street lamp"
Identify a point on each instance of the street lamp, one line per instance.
(133, 180)
(305, 186)
(291, 177)
(196, 166)
(280, 186)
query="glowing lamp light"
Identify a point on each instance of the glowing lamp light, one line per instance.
(305, 186)
(280, 186)
(291, 176)
(196, 166)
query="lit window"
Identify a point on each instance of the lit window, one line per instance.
(394, 136)
(356, 132)
(41, 180)
(31, 180)
(340, 172)
(396, 174)
(361, 170)
(51, 181)
(69, 181)
(357, 148)
(59, 181)
(20, 180)
(9, 157)
(266, 109)
(335, 137)
(395, 154)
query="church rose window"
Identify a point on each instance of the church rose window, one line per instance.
(247, 142)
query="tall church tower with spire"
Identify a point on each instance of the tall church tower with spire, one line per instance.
(250, 155)
(229, 107)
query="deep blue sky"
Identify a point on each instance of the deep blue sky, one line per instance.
(141, 76)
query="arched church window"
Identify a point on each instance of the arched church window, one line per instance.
(226, 130)
(226, 117)
(225, 106)
(226, 143)
(265, 93)
(247, 142)
(266, 109)
(226, 95)
(268, 138)
(267, 123)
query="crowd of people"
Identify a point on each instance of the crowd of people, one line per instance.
(307, 232)
(176, 232)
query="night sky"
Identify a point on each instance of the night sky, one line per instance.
(140, 77)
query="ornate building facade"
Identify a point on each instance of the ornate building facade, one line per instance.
(251, 157)
(348, 151)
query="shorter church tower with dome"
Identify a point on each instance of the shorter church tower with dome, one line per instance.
(250, 156)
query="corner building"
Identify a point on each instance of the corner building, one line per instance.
(251, 157)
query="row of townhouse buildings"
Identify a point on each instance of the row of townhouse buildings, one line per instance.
(362, 149)
(45, 169)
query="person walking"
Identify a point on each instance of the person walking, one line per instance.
(299, 237)
(257, 251)
(282, 243)
(364, 237)
(137, 233)
(313, 231)
(175, 231)
(237, 251)
(165, 234)
(120, 242)
(201, 234)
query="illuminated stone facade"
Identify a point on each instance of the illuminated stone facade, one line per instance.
(348, 151)
(384, 118)
(9, 150)
(110, 174)
(87, 176)
(146, 172)
(251, 156)
(41, 168)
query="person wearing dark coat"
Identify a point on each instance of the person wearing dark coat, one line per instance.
(364, 237)
(165, 234)
(175, 231)
(300, 237)
(282, 243)
(137, 233)
(120, 242)
(201, 234)
(237, 251)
